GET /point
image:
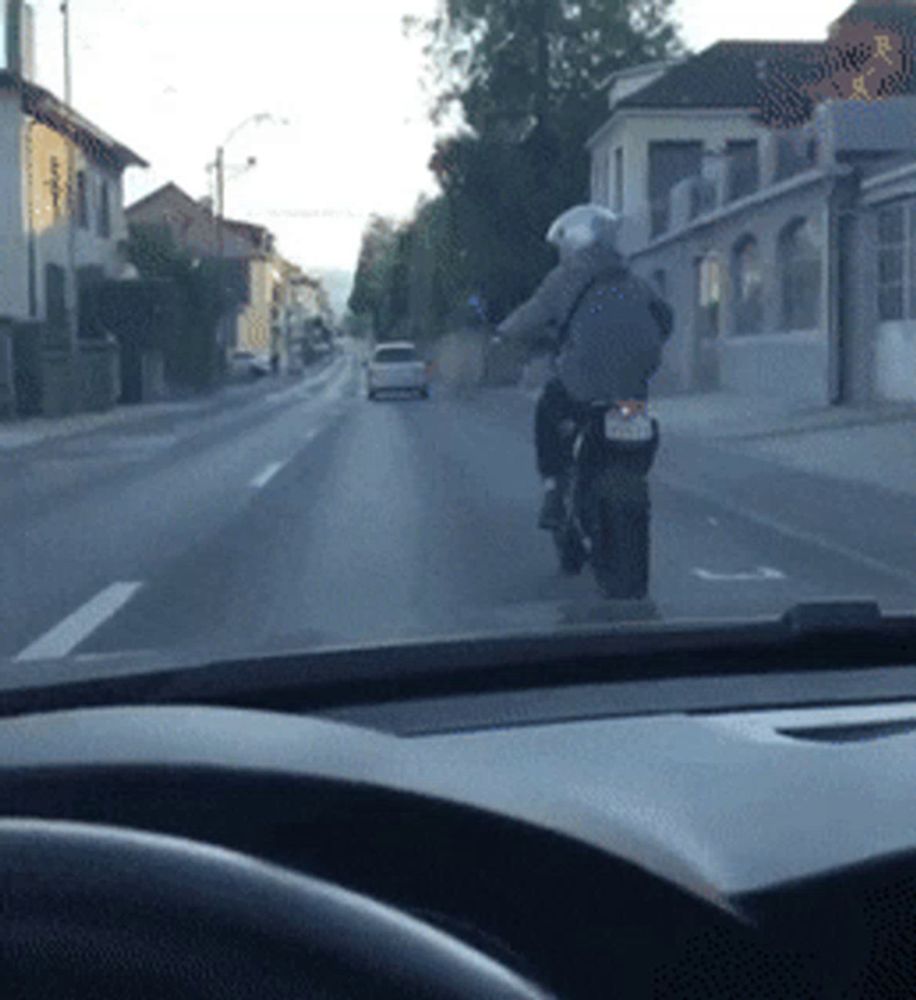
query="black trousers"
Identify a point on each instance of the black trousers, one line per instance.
(553, 447)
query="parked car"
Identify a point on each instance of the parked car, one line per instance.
(250, 365)
(397, 367)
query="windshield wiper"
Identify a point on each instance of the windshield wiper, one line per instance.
(817, 617)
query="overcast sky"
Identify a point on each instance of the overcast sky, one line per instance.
(172, 78)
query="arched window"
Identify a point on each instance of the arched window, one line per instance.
(708, 295)
(800, 265)
(748, 284)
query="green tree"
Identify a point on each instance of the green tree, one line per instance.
(371, 293)
(525, 76)
(203, 292)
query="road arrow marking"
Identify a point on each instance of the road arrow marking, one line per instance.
(763, 574)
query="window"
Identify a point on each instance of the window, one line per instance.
(601, 178)
(891, 260)
(56, 188)
(796, 151)
(395, 355)
(82, 200)
(104, 210)
(894, 251)
(669, 162)
(618, 179)
(800, 261)
(743, 168)
(708, 295)
(748, 287)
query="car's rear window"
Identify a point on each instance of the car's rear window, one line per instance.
(396, 355)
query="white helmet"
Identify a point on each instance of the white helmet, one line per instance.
(580, 227)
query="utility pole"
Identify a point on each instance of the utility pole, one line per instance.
(74, 402)
(68, 69)
(220, 194)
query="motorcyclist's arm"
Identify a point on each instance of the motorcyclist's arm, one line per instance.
(536, 319)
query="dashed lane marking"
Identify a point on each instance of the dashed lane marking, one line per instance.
(61, 640)
(260, 481)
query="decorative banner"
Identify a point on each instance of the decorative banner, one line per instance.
(863, 61)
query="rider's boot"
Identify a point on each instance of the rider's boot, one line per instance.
(553, 510)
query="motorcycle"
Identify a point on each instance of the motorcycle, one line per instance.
(606, 498)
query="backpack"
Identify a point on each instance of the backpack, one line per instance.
(661, 311)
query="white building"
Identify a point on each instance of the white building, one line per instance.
(770, 198)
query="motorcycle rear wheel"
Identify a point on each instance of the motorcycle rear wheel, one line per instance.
(620, 538)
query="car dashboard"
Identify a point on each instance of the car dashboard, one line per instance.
(644, 839)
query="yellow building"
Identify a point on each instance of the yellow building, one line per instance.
(61, 223)
(195, 229)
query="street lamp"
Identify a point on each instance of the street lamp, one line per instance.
(220, 167)
(220, 164)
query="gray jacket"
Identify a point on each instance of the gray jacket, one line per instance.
(613, 343)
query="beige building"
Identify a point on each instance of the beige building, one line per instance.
(196, 229)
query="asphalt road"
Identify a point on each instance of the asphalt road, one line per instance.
(310, 516)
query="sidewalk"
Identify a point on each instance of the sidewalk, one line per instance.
(875, 444)
(40, 430)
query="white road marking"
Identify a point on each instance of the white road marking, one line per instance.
(763, 574)
(330, 381)
(61, 640)
(714, 521)
(789, 531)
(259, 482)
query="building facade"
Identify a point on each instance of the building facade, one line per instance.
(768, 198)
(196, 230)
(61, 226)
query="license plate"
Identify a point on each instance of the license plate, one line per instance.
(637, 429)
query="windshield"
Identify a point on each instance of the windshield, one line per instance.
(224, 228)
(395, 355)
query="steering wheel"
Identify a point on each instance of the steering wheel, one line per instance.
(89, 911)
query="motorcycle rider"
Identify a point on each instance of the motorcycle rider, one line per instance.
(606, 328)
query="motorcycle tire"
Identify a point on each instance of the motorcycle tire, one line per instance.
(621, 515)
(570, 550)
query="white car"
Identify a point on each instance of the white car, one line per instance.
(397, 367)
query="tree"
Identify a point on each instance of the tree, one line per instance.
(525, 76)
(534, 62)
(371, 285)
(202, 292)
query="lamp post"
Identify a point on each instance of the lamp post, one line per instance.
(68, 77)
(219, 166)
